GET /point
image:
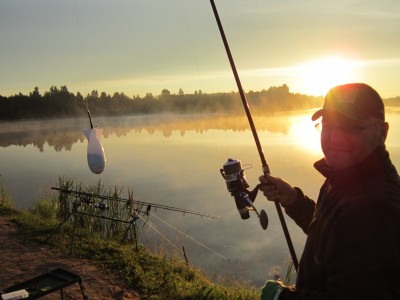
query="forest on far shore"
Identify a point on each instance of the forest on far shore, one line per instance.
(61, 103)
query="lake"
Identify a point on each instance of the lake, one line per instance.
(175, 160)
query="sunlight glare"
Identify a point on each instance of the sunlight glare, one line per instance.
(318, 76)
(306, 135)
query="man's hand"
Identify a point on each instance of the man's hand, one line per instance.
(272, 290)
(276, 189)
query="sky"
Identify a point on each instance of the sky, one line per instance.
(144, 46)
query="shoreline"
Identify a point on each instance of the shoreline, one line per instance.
(23, 258)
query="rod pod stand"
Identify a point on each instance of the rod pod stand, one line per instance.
(265, 166)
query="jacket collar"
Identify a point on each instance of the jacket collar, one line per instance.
(375, 165)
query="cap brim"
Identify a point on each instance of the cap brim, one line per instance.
(317, 114)
(320, 113)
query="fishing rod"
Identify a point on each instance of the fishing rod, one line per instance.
(90, 198)
(232, 170)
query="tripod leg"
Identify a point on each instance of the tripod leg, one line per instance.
(126, 232)
(58, 227)
(73, 237)
(135, 233)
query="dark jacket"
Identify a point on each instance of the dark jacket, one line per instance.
(353, 245)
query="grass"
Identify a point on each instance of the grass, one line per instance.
(152, 275)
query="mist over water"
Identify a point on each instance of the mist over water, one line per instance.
(175, 160)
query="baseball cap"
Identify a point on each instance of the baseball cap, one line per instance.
(357, 101)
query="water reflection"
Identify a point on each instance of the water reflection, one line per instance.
(63, 134)
(175, 160)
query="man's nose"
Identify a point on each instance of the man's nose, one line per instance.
(338, 137)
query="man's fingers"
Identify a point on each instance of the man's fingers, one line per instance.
(267, 178)
(267, 187)
(270, 191)
(276, 189)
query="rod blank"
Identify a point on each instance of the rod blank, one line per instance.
(265, 166)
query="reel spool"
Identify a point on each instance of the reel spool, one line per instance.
(236, 183)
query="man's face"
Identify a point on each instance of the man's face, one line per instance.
(346, 142)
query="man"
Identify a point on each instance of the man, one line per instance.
(353, 232)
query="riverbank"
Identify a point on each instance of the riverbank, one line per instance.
(108, 269)
(23, 258)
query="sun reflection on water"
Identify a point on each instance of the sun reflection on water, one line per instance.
(304, 134)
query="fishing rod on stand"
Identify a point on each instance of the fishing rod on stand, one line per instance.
(232, 170)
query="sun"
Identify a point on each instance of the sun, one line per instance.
(318, 76)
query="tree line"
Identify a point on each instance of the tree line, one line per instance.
(61, 103)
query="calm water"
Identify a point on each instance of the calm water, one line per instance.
(175, 160)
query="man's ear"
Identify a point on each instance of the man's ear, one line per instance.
(384, 128)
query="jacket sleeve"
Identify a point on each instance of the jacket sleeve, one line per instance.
(302, 210)
(359, 258)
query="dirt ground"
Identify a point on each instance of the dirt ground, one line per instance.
(22, 259)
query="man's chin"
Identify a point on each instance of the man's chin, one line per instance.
(338, 160)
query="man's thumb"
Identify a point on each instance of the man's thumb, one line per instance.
(270, 178)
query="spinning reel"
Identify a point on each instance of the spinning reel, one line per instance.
(233, 173)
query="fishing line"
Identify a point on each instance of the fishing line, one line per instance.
(189, 237)
(144, 223)
(82, 65)
(96, 157)
(213, 133)
(163, 236)
(191, 42)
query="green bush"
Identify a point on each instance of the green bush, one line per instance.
(5, 198)
(45, 209)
